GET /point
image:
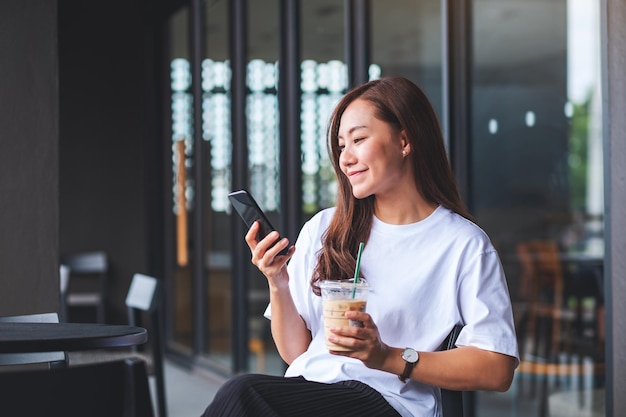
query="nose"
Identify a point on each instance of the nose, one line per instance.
(347, 158)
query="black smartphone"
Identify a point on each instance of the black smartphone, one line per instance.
(249, 210)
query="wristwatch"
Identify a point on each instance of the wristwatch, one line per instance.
(411, 357)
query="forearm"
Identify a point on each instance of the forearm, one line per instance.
(289, 331)
(463, 368)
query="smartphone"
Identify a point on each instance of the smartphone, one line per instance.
(249, 210)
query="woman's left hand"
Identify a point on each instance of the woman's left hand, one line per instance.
(365, 341)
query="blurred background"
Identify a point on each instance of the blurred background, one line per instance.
(126, 123)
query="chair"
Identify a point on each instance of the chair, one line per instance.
(87, 282)
(52, 359)
(547, 356)
(143, 296)
(455, 403)
(106, 389)
(542, 284)
(259, 327)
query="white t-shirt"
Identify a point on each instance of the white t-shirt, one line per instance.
(424, 278)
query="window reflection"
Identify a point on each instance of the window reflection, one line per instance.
(181, 179)
(322, 85)
(406, 40)
(537, 190)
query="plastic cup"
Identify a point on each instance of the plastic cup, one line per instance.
(339, 297)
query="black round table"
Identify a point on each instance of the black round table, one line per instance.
(51, 337)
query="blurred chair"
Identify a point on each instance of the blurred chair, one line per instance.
(52, 359)
(259, 327)
(143, 297)
(547, 330)
(107, 389)
(542, 286)
(87, 283)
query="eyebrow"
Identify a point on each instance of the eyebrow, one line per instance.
(352, 129)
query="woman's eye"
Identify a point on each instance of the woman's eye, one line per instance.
(341, 148)
(357, 140)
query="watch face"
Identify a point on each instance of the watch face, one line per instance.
(410, 355)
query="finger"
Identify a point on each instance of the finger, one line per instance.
(251, 235)
(265, 253)
(278, 247)
(349, 332)
(279, 261)
(266, 243)
(345, 341)
(271, 258)
(361, 316)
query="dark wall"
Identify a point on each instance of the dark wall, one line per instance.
(29, 205)
(104, 145)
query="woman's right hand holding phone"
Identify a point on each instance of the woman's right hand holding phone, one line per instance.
(289, 331)
(265, 256)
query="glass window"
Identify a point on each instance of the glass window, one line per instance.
(181, 176)
(406, 41)
(263, 147)
(324, 79)
(536, 188)
(216, 154)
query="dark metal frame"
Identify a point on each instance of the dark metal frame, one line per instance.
(166, 161)
(240, 253)
(289, 102)
(613, 14)
(456, 96)
(199, 284)
(456, 65)
(357, 41)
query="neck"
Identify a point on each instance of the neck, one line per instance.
(403, 210)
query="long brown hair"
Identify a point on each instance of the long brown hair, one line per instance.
(404, 106)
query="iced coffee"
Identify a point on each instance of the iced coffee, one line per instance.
(339, 297)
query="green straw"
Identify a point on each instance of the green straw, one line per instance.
(356, 270)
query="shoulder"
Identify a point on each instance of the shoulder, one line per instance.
(463, 231)
(314, 228)
(320, 220)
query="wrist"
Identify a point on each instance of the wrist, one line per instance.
(277, 284)
(278, 291)
(410, 357)
(394, 364)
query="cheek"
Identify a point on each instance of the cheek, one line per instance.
(370, 155)
(390, 167)
(380, 158)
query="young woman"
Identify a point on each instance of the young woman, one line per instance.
(428, 267)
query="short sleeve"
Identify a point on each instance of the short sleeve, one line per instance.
(485, 306)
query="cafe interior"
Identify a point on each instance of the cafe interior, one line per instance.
(127, 123)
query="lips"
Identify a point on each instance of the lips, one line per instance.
(351, 174)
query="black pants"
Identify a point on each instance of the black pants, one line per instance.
(254, 395)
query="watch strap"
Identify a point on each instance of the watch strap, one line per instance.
(408, 368)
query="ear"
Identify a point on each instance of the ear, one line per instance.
(404, 141)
